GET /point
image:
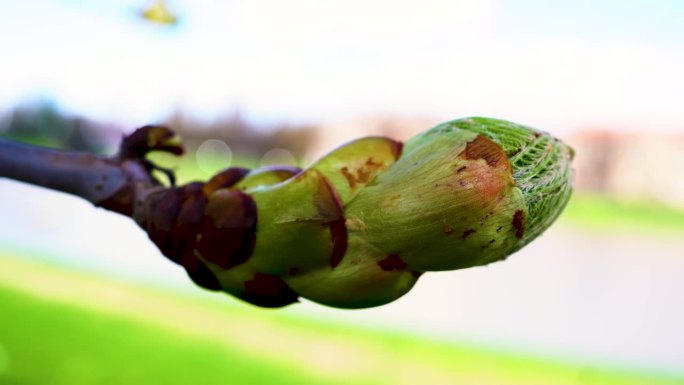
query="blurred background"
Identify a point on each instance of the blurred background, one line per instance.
(86, 299)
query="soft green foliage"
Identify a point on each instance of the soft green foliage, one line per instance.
(53, 343)
(608, 213)
(64, 328)
(187, 169)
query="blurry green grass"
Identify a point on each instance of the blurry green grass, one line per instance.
(63, 327)
(601, 212)
(36, 140)
(187, 169)
(49, 343)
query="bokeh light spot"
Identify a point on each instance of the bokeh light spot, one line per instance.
(213, 155)
(278, 157)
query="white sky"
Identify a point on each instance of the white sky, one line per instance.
(554, 64)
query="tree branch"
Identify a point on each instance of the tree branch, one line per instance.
(355, 229)
(82, 174)
(113, 183)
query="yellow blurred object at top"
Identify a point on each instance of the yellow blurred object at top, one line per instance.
(158, 12)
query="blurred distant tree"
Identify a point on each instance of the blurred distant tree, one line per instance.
(43, 124)
(242, 136)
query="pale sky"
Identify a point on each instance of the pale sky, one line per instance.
(553, 64)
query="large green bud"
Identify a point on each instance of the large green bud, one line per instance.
(361, 225)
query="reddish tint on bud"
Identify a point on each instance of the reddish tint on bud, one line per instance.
(226, 235)
(160, 217)
(483, 148)
(201, 275)
(224, 179)
(268, 291)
